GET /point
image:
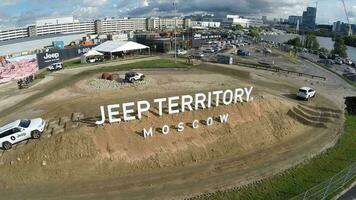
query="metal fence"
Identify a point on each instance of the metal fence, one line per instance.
(327, 189)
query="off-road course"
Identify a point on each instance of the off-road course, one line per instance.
(79, 160)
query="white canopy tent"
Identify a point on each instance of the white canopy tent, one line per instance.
(89, 54)
(120, 46)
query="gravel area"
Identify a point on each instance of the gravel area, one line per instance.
(107, 84)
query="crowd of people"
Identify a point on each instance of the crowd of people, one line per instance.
(21, 83)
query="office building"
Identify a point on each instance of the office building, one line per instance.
(309, 18)
(293, 20)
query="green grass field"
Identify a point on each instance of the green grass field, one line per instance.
(303, 177)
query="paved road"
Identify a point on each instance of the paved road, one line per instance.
(349, 195)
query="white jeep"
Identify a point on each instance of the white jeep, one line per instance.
(19, 131)
(55, 67)
(306, 93)
(134, 76)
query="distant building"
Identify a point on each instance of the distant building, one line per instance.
(309, 18)
(293, 19)
(342, 27)
(264, 19)
(246, 22)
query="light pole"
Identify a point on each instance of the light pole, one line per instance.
(175, 32)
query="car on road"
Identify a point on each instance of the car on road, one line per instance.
(134, 76)
(306, 93)
(55, 67)
(353, 65)
(21, 130)
(347, 61)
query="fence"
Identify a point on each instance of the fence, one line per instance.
(327, 189)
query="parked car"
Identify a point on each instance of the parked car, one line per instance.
(353, 65)
(198, 55)
(243, 53)
(338, 61)
(55, 67)
(181, 52)
(208, 50)
(326, 61)
(323, 56)
(20, 130)
(306, 93)
(347, 61)
(134, 76)
(267, 50)
(349, 70)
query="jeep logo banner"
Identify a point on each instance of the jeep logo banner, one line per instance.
(47, 58)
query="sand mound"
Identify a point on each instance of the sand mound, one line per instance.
(121, 148)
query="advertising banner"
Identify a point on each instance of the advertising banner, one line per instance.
(47, 58)
(17, 68)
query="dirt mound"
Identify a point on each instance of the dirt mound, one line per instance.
(121, 148)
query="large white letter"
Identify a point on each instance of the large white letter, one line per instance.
(238, 95)
(209, 121)
(142, 106)
(160, 105)
(148, 133)
(102, 111)
(217, 94)
(187, 100)
(200, 99)
(126, 112)
(165, 129)
(111, 113)
(180, 127)
(248, 93)
(230, 97)
(195, 124)
(223, 118)
(172, 105)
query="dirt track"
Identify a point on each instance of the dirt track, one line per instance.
(89, 163)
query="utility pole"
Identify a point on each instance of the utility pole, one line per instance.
(175, 31)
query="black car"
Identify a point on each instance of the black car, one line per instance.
(353, 65)
(323, 56)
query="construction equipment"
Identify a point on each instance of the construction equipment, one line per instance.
(348, 19)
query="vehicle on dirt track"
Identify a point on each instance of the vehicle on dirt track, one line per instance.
(134, 76)
(21, 130)
(55, 67)
(306, 93)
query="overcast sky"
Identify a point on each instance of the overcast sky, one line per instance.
(22, 12)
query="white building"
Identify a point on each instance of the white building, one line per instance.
(245, 22)
(57, 20)
(205, 24)
(155, 23)
(119, 24)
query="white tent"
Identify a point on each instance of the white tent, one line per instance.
(90, 53)
(119, 46)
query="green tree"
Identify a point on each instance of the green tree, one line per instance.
(254, 32)
(311, 42)
(340, 47)
(324, 50)
(237, 27)
(295, 42)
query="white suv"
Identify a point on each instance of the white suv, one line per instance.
(134, 76)
(55, 67)
(20, 130)
(306, 93)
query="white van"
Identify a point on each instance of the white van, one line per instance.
(20, 130)
(306, 93)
